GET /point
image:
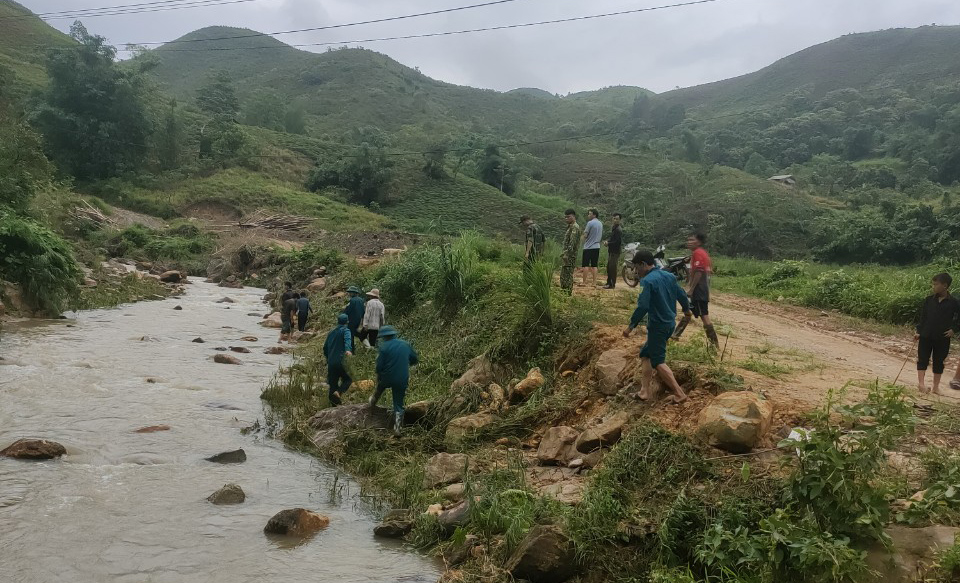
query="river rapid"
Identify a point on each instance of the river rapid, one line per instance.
(128, 507)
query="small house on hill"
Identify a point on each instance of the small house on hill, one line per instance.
(784, 179)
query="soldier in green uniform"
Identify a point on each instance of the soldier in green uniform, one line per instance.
(571, 242)
(534, 240)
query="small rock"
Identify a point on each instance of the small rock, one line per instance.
(454, 492)
(296, 522)
(225, 359)
(393, 528)
(545, 555)
(255, 314)
(455, 516)
(249, 338)
(276, 350)
(151, 380)
(33, 449)
(434, 510)
(913, 551)
(178, 307)
(531, 383)
(152, 429)
(229, 457)
(198, 340)
(467, 427)
(272, 321)
(605, 434)
(226, 300)
(609, 366)
(503, 441)
(497, 397)
(229, 494)
(456, 555)
(221, 348)
(240, 349)
(480, 371)
(415, 412)
(556, 446)
(317, 285)
(593, 459)
(736, 421)
(445, 468)
(577, 463)
(171, 277)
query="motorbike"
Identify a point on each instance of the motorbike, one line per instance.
(678, 266)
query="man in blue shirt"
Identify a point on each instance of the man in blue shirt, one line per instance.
(336, 348)
(303, 311)
(354, 310)
(592, 233)
(658, 300)
(393, 372)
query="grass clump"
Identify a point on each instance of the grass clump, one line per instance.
(39, 261)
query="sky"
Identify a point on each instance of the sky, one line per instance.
(659, 49)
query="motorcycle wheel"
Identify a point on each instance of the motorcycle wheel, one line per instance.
(629, 277)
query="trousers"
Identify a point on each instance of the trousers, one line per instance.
(938, 348)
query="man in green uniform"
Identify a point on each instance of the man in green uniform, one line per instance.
(568, 259)
(533, 249)
(393, 372)
(337, 347)
(354, 310)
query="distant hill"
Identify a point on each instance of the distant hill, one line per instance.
(24, 39)
(895, 58)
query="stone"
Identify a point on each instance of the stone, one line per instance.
(556, 446)
(497, 397)
(272, 321)
(152, 428)
(177, 308)
(328, 423)
(317, 285)
(416, 412)
(530, 384)
(296, 522)
(276, 350)
(226, 300)
(445, 468)
(198, 340)
(455, 555)
(249, 338)
(735, 421)
(454, 516)
(454, 492)
(171, 276)
(393, 528)
(236, 456)
(226, 359)
(609, 366)
(480, 371)
(605, 434)
(228, 494)
(913, 551)
(240, 349)
(33, 449)
(467, 427)
(89, 282)
(565, 492)
(593, 459)
(545, 555)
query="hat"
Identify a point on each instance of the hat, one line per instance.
(374, 293)
(354, 290)
(387, 331)
(524, 218)
(343, 319)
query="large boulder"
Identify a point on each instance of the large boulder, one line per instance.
(272, 321)
(463, 428)
(546, 555)
(415, 412)
(913, 550)
(604, 434)
(296, 522)
(328, 423)
(735, 422)
(445, 468)
(609, 366)
(237, 456)
(556, 446)
(480, 371)
(317, 285)
(172, 276)
(454, 516)
(529, 385)
(229, 494)
(33, 449)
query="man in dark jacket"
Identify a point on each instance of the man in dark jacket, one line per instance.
(336, 348)
(354, 310)
(393, 372)
(938, 323)
(288, 311)
(614, 246)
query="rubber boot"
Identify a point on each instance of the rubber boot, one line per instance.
(712, 335)
(397, 423)
(680, 328)
(375, 397)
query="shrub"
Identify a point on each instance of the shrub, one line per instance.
(39, 261)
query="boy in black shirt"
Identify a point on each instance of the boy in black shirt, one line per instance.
(938, 323)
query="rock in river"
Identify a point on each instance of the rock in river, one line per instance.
(198, 340)
(229, 494)
(171, 277)
(229, 457)
(240, 349)
(152, 429)
(225, 359)
(393, 528)
(33, 449)
(296, 522)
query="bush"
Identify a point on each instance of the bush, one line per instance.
(39, 261)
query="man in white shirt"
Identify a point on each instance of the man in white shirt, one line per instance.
(592, 233)
(374, 318)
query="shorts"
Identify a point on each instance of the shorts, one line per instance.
(656, 347)
(938, 348)
(700, 308)
(591, 258)
(285, 326)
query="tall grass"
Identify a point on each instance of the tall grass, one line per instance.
(39, 261)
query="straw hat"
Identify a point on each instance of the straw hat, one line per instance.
(374, 293)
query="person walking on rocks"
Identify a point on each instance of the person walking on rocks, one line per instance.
(288, 311)
(535, 240)
(658, 300)
(614, 245)
(374, 317)
(568, 258)
(699, 289)
(303, 311)
(592, 233)
(354, 311)
(287, 294)
(939, 321)
(336, 348)
(393, 372)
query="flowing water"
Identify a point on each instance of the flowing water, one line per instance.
(131, 507)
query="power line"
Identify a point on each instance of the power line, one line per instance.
(83, 11)
(196, 4)
(451, 33)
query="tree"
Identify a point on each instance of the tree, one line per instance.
(267, 110)
(218, 97)
(364, 173)
(435, 162)
(759, 166)
(169, 137)
(294, 120)
(93, 115)
(493, 170)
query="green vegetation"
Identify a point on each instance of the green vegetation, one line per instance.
(39, 261)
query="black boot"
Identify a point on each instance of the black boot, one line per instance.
(712, 336)
(680, 328)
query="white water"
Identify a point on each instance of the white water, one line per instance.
(129, 507)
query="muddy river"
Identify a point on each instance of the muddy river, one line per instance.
(131, 507)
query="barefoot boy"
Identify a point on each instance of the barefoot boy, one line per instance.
(938, 323)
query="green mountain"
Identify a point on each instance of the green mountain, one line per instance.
(24, 39)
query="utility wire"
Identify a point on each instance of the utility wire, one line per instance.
(80, 12)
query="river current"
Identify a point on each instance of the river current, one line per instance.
(131, 507)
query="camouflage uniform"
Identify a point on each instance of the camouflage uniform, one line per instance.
(571, 242)
(536, 237)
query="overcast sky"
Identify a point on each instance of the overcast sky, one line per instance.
(658, 50)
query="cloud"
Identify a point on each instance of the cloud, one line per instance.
(658, 50)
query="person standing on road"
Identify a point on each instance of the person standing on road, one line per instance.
(393, 372)
(699, 288)
(659, 298)
(374, 317)
(592, 234)
(288, 311)
(939, 321)
(303, 311)
(336, 348)
(534, 240)
(568, 258)
(614, 244)
(354, 311)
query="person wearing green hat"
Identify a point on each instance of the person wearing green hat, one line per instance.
(336, 348)
(393, 372)
(354, 310)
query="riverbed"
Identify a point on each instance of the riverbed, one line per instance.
(131, 507)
